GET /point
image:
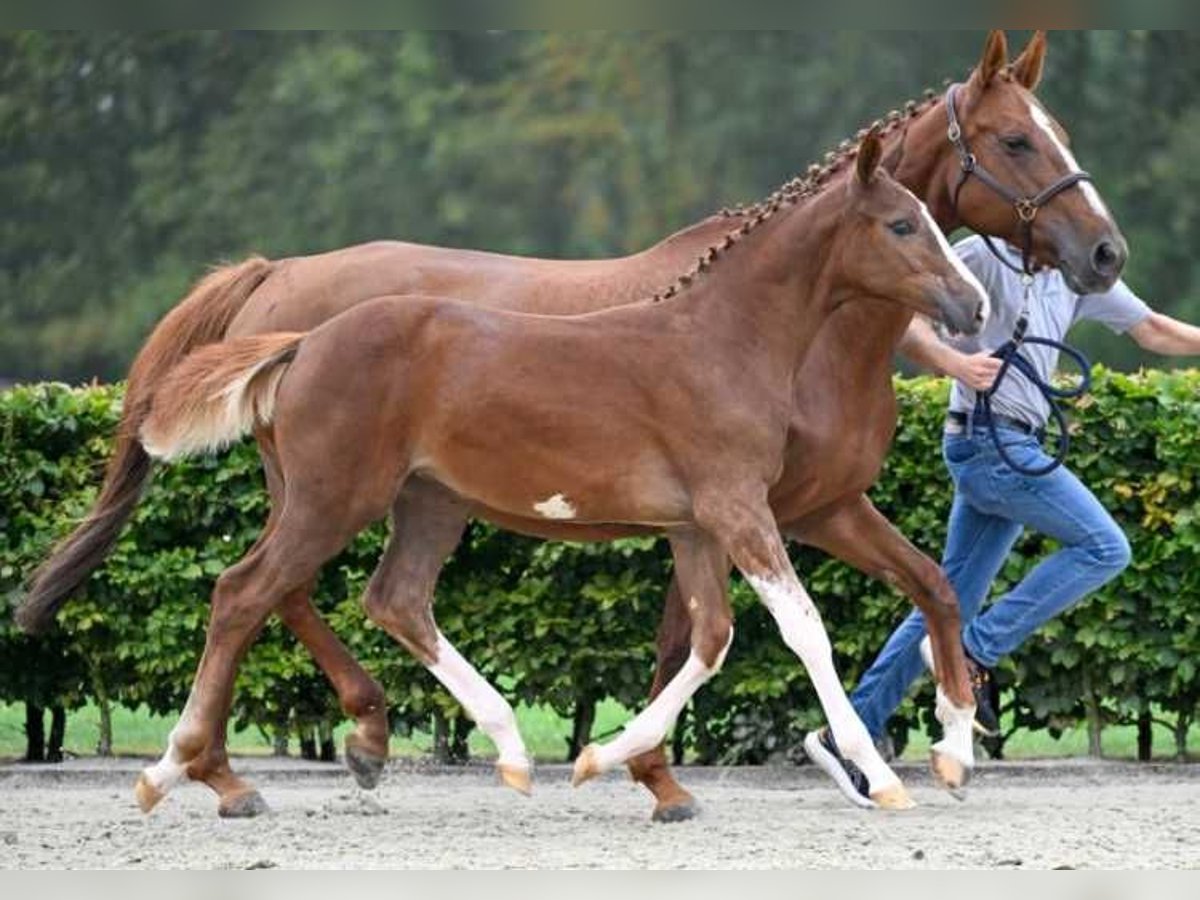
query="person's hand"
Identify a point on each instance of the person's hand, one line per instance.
(977, 371)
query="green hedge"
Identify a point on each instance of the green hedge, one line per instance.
(571, 624)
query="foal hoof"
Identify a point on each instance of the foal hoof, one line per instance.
(367, 768)
(249, 805)
(894, 798)
(676, 811)
(950, 773)
(516, 777)
(587, 766)
(146, 794)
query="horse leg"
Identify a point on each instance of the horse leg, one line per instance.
(858, 534)
(651, 769)
(427, 524)
(359, 695)
(293, 548)
(753, 543)
(703, 573)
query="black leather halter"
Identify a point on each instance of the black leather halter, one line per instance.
(1026, 207)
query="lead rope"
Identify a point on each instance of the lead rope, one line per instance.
(1013, 361)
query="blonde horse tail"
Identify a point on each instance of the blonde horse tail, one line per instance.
(218, 395)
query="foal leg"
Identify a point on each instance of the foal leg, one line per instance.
(703, 573)
(672, 802)
(400, 599)
(753, 542)
(857, 533)
(287, 558)
(360, 695)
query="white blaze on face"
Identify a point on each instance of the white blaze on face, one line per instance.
(1042, 120)
(556, 507)
(955, 260)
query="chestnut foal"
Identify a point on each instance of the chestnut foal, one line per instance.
(842, 398)
(671, 415)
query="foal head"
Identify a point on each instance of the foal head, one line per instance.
(891, 249)
(1014, 152)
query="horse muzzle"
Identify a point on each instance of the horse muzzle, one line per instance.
(962, 311)
(1094, 269)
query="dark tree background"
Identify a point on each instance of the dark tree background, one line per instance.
(129, 162)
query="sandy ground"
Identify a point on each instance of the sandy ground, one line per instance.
(1073, 814)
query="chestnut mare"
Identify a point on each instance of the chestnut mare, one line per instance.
(669, 414)
(842, 399)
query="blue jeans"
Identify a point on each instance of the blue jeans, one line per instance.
(992, 506)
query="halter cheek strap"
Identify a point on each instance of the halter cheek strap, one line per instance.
(1026, 207)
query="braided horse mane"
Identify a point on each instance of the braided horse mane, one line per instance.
(800, 188)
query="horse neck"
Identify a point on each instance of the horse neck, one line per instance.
(680, 249)
(770, 295)
(861, 337)
(926, 152)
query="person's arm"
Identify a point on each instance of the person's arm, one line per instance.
(1170, 337)
(921, 345)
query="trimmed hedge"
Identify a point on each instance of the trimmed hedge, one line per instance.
(571, 624)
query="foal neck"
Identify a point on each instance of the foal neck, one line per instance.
(774, 289)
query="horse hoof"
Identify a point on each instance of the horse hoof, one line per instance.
(367, 768)
(894, 798)
(516, 777)
(950, 773)
(248, 805)
(679, 811)
(587, 766)
(146, 794)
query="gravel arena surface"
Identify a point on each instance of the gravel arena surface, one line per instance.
(1067, 814)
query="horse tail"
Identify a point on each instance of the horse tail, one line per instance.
(201, 318)
(217, 395)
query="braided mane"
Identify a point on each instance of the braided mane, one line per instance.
(796, 189)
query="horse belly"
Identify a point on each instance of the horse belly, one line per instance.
(517, 476)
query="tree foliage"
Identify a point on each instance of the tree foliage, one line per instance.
(130, 161)
(569, 624)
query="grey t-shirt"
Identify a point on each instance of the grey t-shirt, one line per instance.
(1053, 309)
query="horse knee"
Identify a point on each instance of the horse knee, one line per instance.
(405, 617)
(712, 640)
(941, 598)
(801, 626)
(236, 603)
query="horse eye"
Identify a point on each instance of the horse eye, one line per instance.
(1016, 143)
(902, 227)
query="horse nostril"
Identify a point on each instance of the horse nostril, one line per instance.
(1105, 258)
(979, 317)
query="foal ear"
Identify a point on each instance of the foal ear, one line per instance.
(870, 152)
(995, 58)
(1029, 65)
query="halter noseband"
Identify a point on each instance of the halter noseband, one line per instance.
(1026, 207)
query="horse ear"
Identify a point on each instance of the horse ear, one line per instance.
(1029, 65)
(995, 58)
(870, 152)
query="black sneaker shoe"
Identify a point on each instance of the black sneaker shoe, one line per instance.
(821, 749)
(987, 698)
